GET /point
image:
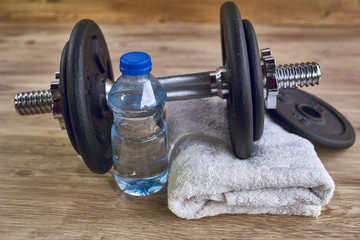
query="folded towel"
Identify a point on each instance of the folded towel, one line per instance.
(283, 176)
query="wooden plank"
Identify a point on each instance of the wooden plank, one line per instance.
(46, 191)
(304, 12)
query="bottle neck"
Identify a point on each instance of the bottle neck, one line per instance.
(136, 96)
(145, 75)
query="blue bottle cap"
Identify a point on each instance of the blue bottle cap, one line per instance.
(135, 63)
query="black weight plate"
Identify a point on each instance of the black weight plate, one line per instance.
(257, 83)
(312, 118)
(235, 60)
(64, 102)
(88, 65)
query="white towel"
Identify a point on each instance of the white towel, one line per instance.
(283, 176)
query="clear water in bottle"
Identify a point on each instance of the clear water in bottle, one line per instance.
(139, 134)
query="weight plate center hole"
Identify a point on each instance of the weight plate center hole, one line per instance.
(309, 112)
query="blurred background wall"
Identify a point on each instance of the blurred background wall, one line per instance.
(284, 12)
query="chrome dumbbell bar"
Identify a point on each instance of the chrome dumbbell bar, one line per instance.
(189, 86)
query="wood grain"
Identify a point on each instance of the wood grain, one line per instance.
(304, 12)
(46, 191)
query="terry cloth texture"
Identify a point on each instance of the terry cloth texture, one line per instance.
(283, 175)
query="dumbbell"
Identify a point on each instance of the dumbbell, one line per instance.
(247, 80)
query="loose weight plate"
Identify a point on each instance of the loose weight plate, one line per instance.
(312, 118)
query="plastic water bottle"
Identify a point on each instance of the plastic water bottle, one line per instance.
(139, 135)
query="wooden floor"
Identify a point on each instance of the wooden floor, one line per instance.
(294, 12)
(46, 191)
